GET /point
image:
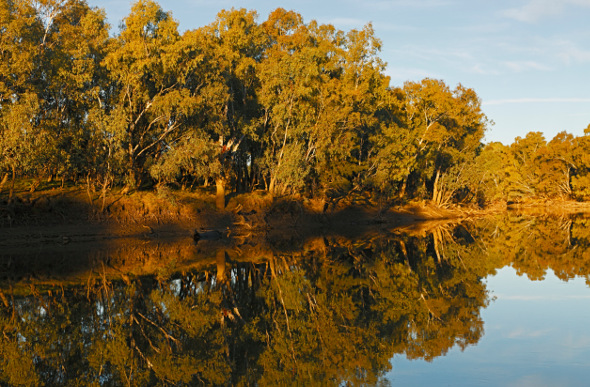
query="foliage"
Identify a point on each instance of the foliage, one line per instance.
(281, 105)
(437, 133)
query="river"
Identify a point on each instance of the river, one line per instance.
(497, 301)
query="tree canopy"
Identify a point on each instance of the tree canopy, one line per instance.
(282, 105)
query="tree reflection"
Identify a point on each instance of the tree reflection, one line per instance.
(334, 311)
(535, 244)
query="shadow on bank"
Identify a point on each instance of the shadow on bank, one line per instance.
(64, 234)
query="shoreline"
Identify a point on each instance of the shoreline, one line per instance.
(60, 217)
(146, 234)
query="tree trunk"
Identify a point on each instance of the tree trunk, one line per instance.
(402, 191)
(89, 189)
(437, 238)
(105, 185)
(220, 194)
(4, 180)
(435, 191)
(11, 193)
(35, 184)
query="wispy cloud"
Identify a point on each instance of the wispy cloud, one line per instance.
(535, 10)
(396, 4)
(448, 55)
(541, 53)
(494, 27)
(468, 57)
(570, 53)
(483, 69)
(518, 297)
(520, 66)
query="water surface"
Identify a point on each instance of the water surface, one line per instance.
(536, 334)
(498, 301)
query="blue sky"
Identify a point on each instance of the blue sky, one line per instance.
(528, 60)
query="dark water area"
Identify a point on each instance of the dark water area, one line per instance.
(496, 301)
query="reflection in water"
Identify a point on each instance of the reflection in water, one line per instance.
(332, 310)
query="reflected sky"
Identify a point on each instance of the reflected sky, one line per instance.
(536, 334)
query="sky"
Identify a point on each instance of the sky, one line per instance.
(528, 60)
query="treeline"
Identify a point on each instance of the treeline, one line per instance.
(533, 167)
(282, 105)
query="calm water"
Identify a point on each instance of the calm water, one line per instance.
(536, 334)
(498, 302)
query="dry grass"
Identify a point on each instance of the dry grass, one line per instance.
(253, 211)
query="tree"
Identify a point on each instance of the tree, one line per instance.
(580, 181)
(71, 74)
(51, 55)
(235, 43)
(321, 91)
(19, 101)
(222, 58)
(150, 102)
(18, 143)
(437, 131)
(558, 164)
(489, 173)
(351, 112)
(524, 172)
(196, 157)
(289, 76)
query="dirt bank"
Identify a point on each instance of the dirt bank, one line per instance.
(63, 216)
(56, 218)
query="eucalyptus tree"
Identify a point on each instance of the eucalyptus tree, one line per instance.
(235, 44)
(19, 103)
(238, 43)
(581, 178)
(72, 47)
(219, 136)
(51, 53)
(289, 76)
(18, 142)
(558, 165)
(489, 173)
(150, 101)
(523, 173)
(352, 100)
(320, 90)
(438, 130)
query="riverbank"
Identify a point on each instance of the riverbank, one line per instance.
(56, 217)
(257, 210)
(67, 234)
